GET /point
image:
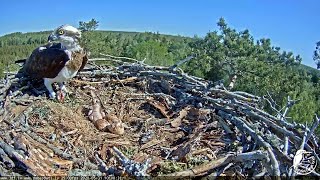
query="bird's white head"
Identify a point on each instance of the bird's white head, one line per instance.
(68, 36)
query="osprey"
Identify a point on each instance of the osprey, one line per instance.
(57, 62)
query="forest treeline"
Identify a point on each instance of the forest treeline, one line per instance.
(223, 54)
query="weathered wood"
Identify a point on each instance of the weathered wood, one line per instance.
(206, 168)
(132, 167)
(315, 124)
(243, 127)
(246, 125)
(6, 159)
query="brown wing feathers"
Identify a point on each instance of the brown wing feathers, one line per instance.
(48, 62)
(45, 63)
(77, 61)
(85, 60)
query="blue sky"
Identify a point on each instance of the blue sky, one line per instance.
(292, 25)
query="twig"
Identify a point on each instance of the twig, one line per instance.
(151, 94)
(224, 125)
(102, 166)
(107, 59)
(233, 95)
(51, 146)
(282, 130)
(131, 167)
(179, 63)
(243, 127)
(5, 159)
(14, 154)
(245, 94)
(315, 123)
(206, 168)
(286, 145)
(122, 58)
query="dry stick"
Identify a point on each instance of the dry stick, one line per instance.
(15, 155)
(8, 73)
(123, 58)
(206, 168)
(6, 173)
(282, 130)
(292, 171)
(132, 167)
(243, 127)
(145, 67)
(263, 113)
(224, 125)
(104, 168)
(25, 101)
(289, 104)
(286, 145)
(314, 141)
(57, 150)
(188, 77)
(233, 95)
(106, 59)
(281, 118)
(51, 146)
(97, 73)
(177, 77)
(314, 173)
(5, 159)
(240, 98)
(217, 174)
(290, 134)
(304, 139)
(142, 71)
(192, 79)
(19, 91)
(149, 73)
(151, 94)
(272, 104)
(313, 127)
(285, 124)
(5, 89)
(276, 128)
(245, 94)
(179, 63)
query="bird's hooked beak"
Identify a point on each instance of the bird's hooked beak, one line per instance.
(52, 37)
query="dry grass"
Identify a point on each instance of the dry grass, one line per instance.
(67, 126)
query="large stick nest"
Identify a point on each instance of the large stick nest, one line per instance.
(159, 122)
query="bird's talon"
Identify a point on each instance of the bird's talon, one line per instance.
(61, 96)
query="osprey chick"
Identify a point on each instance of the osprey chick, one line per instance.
(57, 62)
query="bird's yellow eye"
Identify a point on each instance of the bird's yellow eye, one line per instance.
(61, 32)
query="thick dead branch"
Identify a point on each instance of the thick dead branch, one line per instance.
(152, 112)
(244, 127)
(315, 124)
(206, 168)
(131, 167)
(102, 166)
(5, 159)
(233, 95)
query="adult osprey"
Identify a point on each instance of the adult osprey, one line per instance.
(57, 62)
